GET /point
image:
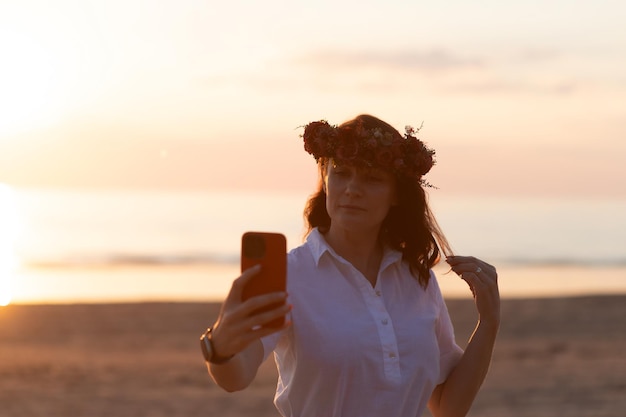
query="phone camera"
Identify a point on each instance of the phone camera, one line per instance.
(253, 247)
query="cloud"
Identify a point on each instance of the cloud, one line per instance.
(369, 71)
(495, 85)
(433, 60)
(537, 55)
(535, 71)
(527, 70)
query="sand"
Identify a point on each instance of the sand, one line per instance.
(554, 357)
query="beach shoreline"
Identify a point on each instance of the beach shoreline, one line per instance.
(200, 282)
(554, 356)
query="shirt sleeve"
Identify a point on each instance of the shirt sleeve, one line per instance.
(269, 343)
(449, 352)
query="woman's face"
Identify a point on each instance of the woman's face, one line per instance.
(358, 199)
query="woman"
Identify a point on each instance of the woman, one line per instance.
(367, 330)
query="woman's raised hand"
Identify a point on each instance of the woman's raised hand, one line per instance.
(238, 325)
(482, 279)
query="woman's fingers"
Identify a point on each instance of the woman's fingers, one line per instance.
(482, 279)
(241, 322)
(474, 271)
(262, 319)
(248, 309)
(237, 310)
(461, 264)
(262, 301)
(236, 331)
(236, 291)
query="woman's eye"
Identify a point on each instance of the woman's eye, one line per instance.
(375, 176)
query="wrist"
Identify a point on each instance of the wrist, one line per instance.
(208, 349)
(491, 325)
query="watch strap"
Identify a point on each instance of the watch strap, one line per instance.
(208, 351)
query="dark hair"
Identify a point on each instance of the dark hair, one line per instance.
(410, 226)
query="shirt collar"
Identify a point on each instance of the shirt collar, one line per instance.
(319, 246)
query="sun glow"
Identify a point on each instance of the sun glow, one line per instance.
(51, 65)
(27, 84)
(8, 233)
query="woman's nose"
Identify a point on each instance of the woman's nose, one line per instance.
(354, 185)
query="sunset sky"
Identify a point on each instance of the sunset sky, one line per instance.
(516, 97)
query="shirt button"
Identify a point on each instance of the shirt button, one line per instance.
(378, 293)
(384, 321)
(392, 355)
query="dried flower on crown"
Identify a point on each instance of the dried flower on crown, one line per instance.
(404, 155)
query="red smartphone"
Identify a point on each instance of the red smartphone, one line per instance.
(269, 250)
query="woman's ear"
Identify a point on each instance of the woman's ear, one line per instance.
(323, 173)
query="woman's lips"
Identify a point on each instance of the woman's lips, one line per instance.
(351, 207)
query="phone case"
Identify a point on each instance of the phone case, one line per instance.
(269, 250)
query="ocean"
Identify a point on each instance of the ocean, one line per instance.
(123, 245)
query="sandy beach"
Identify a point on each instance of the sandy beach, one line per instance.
(554, 357)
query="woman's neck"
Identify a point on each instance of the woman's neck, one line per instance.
(363, 250)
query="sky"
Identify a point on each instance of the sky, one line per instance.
(524, 98)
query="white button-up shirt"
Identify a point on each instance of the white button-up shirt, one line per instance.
(355, 350)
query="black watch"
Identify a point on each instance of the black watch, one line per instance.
(206, 344)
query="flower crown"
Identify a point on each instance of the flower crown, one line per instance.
(404, 156)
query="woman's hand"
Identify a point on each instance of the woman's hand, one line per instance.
(455, 396)
(237, 326)
(482, 279)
